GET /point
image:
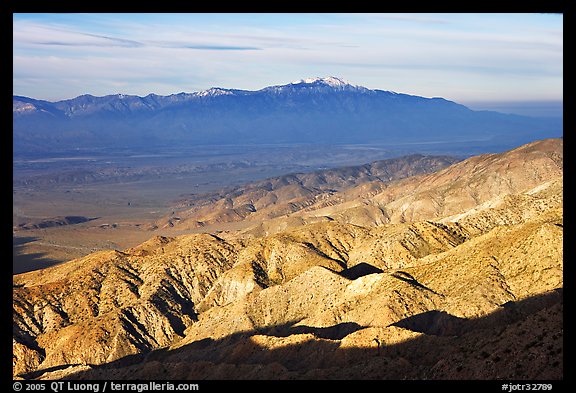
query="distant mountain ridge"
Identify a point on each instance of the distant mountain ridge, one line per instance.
(314, 110)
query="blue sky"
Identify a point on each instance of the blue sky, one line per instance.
(478, 59)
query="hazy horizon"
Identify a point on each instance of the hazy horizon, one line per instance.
(524, 108)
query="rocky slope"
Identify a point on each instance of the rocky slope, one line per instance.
(472, 295)
(453, 190)
(284, 195)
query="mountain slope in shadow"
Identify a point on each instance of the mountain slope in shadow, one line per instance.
(522, 340)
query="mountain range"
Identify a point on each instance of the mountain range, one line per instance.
(451, 273)
(314, 110)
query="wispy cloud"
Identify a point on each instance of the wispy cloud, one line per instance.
(38, 34)
(212, 47)
(102, 41)
(429, 54)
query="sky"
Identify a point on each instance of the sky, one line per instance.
(485, 61)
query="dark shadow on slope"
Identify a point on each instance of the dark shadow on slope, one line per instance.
(408, 278)
(23, 262)
(434, 322)
(36, 374)
(440, 323)
(161, 300)
(55, 222)
(324, 255)
(334, 332)
(523, 343)
(360, 270)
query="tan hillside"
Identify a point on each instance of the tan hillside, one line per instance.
(473, 294)
(287, 194)
(453, 190)
(112, 304)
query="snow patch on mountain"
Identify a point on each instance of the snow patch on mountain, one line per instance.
(214, 91)
(330, 81)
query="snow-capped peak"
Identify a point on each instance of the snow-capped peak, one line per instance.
(330, 81)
